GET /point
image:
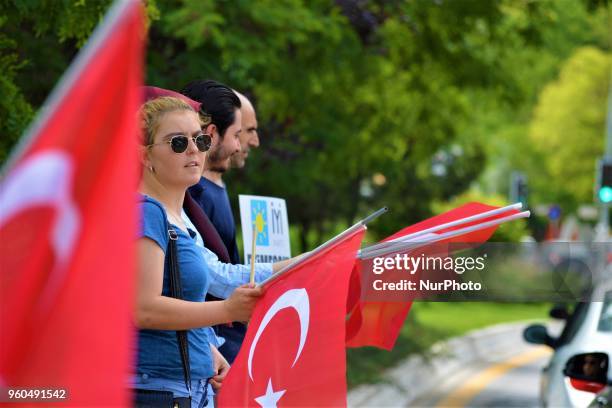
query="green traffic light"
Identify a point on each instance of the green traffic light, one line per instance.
(605, 194)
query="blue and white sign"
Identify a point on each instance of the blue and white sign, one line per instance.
(268, 215)
(259, 220)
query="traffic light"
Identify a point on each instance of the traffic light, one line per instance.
(523, 191)
(519, 190)
(605, 182)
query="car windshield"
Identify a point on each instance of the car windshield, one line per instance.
(605, 320)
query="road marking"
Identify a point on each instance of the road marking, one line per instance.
(472, 387)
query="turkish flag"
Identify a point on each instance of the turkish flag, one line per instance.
(68, 222)
(378, 323)
(294, 353)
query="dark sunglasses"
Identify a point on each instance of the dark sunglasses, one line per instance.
(179, 143)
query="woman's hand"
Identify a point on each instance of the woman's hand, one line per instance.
(242, 301)
(221, 367)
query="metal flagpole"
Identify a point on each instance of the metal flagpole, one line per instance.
(411, 244)
(436, 228)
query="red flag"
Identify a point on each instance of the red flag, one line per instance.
(294, 352)
(378, 324)
(67, 226)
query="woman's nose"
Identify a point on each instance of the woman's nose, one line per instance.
(192, 146)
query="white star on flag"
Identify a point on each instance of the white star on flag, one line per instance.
(270, 398)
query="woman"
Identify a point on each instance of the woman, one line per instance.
(173, 159)
(225, 276)
(220, 107)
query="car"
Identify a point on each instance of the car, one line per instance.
(588, 329)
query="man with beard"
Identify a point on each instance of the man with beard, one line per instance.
(248, 136)
(230, 139)
(223, 107)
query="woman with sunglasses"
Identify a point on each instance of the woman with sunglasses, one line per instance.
(225, 276)
(173, 159)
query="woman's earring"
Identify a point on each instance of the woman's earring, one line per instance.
(151, 169)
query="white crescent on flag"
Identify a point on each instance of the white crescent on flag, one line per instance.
(45, 178)
(296, 299)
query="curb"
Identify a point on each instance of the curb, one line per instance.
(407, 381)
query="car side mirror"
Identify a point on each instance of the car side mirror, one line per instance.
(537, 334)
(559, 312)
(588, 371)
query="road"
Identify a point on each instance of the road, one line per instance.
(512, 382)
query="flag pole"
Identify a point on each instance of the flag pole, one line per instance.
(253, 247)
(471, 218)
(374, 215)
(307, 256)
(400, 246)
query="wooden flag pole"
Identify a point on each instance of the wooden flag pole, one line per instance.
(253, 246)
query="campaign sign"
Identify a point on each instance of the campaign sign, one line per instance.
(268, 216)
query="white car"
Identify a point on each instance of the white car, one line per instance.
(588, 330)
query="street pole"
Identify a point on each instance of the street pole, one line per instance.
(601, 246)
(603, 227)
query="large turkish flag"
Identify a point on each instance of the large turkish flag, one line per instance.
(294, 352)
(68, 222)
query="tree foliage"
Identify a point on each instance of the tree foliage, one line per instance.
(39, 39)
(564, 27)
(569, 124)
(361, 103)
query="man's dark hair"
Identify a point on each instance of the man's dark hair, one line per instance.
(217, 100)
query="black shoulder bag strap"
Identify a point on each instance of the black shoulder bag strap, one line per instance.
(176, 291)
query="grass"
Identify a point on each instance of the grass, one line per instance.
(455, 318)
(430, 322)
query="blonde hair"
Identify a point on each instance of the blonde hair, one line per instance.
(152, 111)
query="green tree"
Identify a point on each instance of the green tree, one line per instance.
(38, 41)
(383, 89)
(563, 26)
(569, 123)
(15, 111)
(361, 103)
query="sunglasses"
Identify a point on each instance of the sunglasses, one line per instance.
(179, 143)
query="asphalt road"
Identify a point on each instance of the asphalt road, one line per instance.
(512, 382)
(518, 388)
